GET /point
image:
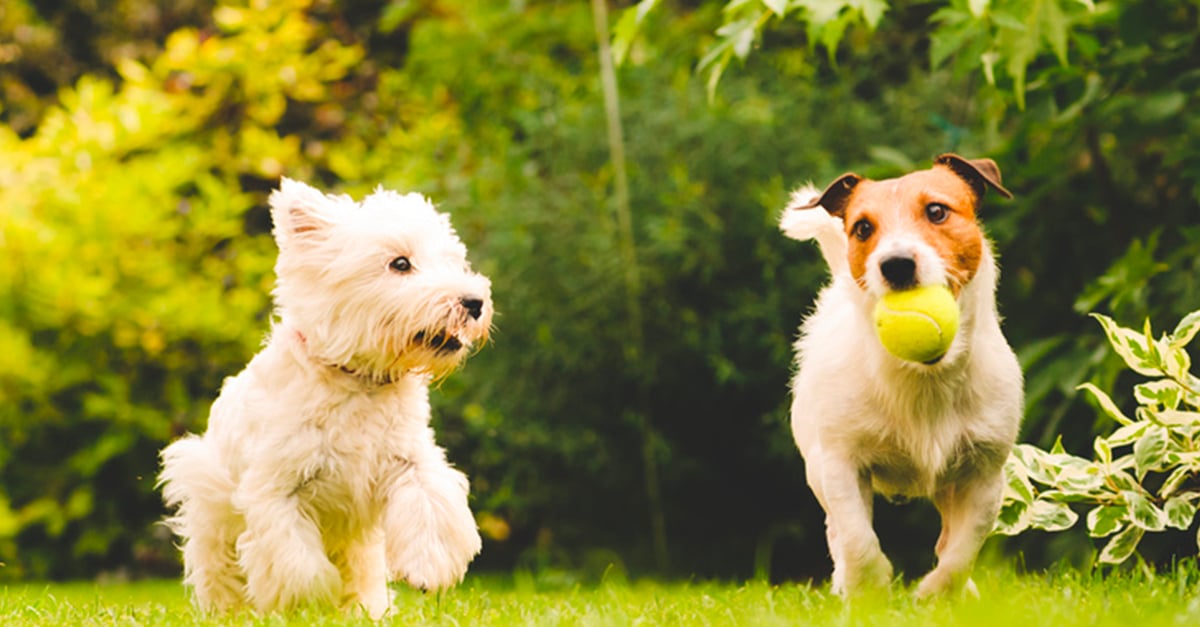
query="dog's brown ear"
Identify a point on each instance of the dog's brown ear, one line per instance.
(835, 197)
(980, 174)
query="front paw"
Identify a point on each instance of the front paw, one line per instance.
(439, 560)
(940, 582)
(874, 573)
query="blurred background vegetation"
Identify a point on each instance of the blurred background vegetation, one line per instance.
(139, 141)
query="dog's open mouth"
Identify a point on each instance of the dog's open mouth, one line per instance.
(439, 341)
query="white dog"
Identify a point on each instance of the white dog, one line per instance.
(866, 421)
(318, 479)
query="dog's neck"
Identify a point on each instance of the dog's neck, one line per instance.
(367, 379)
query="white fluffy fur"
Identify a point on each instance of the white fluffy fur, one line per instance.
(868, 422)
(318, 479)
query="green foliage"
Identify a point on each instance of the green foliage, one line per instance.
(978, 35)
(137, 271)
(1145, 475)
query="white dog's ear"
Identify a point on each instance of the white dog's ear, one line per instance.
(299, 212)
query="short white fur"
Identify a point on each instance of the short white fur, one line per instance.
(866, 421)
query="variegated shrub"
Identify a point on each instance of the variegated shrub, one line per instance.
(1145, 476)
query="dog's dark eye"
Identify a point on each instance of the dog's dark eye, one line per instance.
(400, 264)
(863, 230)
(937, 212)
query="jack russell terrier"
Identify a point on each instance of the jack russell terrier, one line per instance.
(866, 421)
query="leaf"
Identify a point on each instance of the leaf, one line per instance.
(1051, 516)
(1186, 329)
(1017, 481)
(872, 11)
(1144, 513)
(778, 7)
(1177, 362)
(1163, 394)
(1180, 511)
(1177, 418)
(1106, 403)
(1176, 479)
(1013, 518)
(627, 27)
(977, 7)
(1121, 546)
(1107, 519)
(821, 12)
(1126, 434)
(1130, 345)
(1103, 451)
(1148, 450)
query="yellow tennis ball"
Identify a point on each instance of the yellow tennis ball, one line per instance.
(917, 324)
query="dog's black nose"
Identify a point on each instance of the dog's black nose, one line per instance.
(899, 272)
(474, 306)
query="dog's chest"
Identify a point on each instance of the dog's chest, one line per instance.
(918, 437)
(363, 445)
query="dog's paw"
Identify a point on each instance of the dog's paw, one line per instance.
(291, 579)
(441, 562)
(871, 575)
(942, 583)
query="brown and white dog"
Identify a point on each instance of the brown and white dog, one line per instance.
(866, 421)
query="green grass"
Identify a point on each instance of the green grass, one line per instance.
(1007, 600)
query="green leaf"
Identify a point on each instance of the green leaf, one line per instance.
(1180, 511)
(627, 27)
(1144, 513)
(1122, 545)
(977, 7)
(1148, 450)
(1106, 403)
(1130, 345)
(1186, 329)
(1051, 516)
(1107, 519)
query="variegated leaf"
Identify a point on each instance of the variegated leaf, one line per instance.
(1149, 449)
(1122, 545)
(1130, 345)
(1144, 513)
(1017, 486)
(1126, 434)
(1180, 511)
(1051, 516)
(1186, 329)
(1107, 519)
(1176, 479)
(1161, 394)
(1177, 363)
(1014, 518)
(1106, 403)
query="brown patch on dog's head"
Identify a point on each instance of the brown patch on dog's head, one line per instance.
(938, 205)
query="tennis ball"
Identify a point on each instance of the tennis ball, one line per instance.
(917, 324)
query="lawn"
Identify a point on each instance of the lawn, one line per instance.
(1007, 599)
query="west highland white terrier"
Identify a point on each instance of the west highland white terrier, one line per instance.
(318, 480)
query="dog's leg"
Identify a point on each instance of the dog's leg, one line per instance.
(363, 565)
(281, 550)
(968, 512)
(194, 482)
(845, 493)
(431, 533)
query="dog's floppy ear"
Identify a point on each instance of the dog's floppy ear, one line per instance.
(835, 197)
(980, 174)
(299, 212)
